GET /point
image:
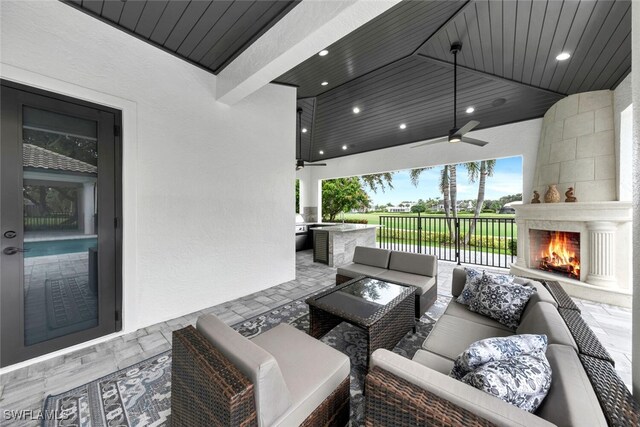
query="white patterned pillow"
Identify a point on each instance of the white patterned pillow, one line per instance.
(475, 279)
(502, 302)
(523, 380)
(495, 349)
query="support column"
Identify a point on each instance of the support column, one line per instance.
(601, 256)
(635, 90)
(522, 259)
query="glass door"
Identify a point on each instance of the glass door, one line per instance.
(59, 259)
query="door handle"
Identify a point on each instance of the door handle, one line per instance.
(12, 250)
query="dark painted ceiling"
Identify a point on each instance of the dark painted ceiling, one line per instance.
(207, 33)
(397, 69)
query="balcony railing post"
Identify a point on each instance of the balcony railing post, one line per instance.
(457, 239)
(419, 234)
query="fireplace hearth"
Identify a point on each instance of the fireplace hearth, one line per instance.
(556, 252)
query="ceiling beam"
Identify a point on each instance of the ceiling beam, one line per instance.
(307, 29)
(486, 75)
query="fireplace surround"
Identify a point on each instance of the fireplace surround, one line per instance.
(600, 234)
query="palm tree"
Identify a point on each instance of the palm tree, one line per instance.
(445, 188)
(453, 189)
(482, 170)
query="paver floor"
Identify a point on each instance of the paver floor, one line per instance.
(26, 388)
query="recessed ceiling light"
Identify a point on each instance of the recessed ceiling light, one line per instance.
(323, 52)
(356, 110)
(321, 152)
(324, 83)
(563, 56)
(304, 130)
(403, 126)
(470, 110)
(344, 147)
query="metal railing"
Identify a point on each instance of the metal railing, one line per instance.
(489, 241)
(52, 221)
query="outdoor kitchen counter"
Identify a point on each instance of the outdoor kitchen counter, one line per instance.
(342, 228)
(334, 245)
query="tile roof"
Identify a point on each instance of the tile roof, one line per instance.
(41, 158)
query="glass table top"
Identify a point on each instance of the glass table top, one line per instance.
(362, 298)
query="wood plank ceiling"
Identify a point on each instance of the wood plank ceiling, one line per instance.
(397, 69)
(206, 33)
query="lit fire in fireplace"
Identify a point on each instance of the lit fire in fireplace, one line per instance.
(560, 256)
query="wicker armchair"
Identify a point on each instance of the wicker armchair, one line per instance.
(210, 390)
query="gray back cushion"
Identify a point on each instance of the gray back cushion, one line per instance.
(422, 264)
(458, 281)
(543, 318)
(374, 257)
(571, 400)
(271, 392)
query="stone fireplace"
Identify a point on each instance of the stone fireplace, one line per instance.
(584, 245)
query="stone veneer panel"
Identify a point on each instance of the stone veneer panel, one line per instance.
(577, 147)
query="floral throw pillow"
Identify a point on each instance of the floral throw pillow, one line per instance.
(495, 349)
(470, 285)
(522, 380)
(477, 278)
(502, 302)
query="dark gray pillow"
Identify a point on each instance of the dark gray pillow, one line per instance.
(475, 279)
(502, 302)
(523, 380)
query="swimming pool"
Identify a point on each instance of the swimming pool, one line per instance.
(58, 247)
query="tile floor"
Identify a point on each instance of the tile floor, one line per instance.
(27, 387)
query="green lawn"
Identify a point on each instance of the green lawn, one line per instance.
(497, 235)
(501, 226)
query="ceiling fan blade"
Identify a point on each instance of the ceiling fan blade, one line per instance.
(473, 141)
(468, 127)
(315, 164)
(433, 141)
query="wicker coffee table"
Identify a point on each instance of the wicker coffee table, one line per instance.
(383, 309)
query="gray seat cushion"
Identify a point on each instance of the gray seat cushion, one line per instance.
(355, 270)
(452, 335)
(422, 283)
(374, 257)
(433, 361)
(571, 400)
(311, 369)
(273, 397)
(422, 264)
(460, 310)
(543, 318)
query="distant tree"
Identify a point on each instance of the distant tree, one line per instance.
(342, 195)
(510, 198)
(389, 205)
(418, 208)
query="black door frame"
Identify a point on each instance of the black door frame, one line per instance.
(109, 227)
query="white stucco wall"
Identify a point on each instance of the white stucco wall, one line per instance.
(623, 138)
(517, 139)
(635, 76)
(208, 206)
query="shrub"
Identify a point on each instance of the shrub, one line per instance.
(356, 221)
(513, 246)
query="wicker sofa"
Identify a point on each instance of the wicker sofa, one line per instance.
(419, 270)
(282, 377)
(585, 388)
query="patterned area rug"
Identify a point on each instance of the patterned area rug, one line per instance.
(141, 394)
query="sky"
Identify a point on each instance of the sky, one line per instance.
(506, 179)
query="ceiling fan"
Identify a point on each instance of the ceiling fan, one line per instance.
(456, 134)
(299, 162)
